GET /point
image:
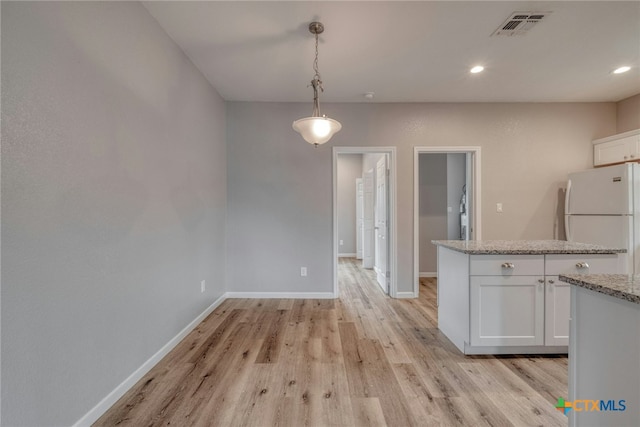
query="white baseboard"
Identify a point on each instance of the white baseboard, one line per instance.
(405, 295)
(281, 295)
(428, 274)
(102, 407)
(347, 255)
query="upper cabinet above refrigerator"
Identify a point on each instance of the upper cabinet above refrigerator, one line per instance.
(621, 148)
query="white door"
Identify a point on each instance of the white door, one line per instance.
(507, 310)
(368, 208)
(359, 217)
(381, 223)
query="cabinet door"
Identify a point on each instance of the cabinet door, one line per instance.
(556, 311)
(617, 151)
(507, 311)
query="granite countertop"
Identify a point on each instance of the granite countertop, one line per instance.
(623, 286)
(524, 247)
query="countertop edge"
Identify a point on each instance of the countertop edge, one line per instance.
(531, 251)
(616, 293)
(525, 247)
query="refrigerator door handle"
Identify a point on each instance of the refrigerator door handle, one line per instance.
(567, 195)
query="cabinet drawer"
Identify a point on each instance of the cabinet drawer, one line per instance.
(503, 265)
(577, 264)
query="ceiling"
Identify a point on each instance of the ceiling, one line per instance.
(418, 51)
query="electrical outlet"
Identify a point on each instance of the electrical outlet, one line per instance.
(303, 271)
(203, 285)
(341, 242)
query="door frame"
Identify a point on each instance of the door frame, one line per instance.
(476, 202)
(392, 202)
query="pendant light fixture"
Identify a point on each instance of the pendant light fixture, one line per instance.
(316, 129)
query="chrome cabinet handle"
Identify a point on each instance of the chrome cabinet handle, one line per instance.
(508, 265)
(582, 265)
(540, 280)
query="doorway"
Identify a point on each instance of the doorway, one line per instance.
(451, 177)
(377, 190)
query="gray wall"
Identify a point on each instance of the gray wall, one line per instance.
(113, 202)
(432, 196)
(628, 114)
(280, 187)
(349, 168)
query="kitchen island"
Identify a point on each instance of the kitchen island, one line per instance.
(504, 296)
(604, 350)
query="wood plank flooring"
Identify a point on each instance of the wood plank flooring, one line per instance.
(361, 360)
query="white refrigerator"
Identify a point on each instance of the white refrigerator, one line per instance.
(602, 207)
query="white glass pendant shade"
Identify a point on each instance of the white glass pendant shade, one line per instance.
(316, 130)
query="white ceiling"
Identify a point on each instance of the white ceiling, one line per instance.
(417, 51)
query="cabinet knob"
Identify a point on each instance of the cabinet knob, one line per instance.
(582, 265)
(631, 156)
(626, 157)
(552, 281)
(540, 280)
(508, 265)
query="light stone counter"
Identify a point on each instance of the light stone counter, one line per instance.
(622, 286)
(524, 247)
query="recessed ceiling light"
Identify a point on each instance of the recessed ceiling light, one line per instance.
(621, 70)
(477, 69)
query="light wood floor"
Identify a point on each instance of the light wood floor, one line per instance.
(360, 360)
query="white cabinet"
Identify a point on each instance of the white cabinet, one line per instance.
(507, 300)
(604, 358)
(557, 303)
(516, 302)
(558, 294)
(507, 304)
(621, 148)
(507, 310)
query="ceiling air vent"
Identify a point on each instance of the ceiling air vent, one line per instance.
(519, 23)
